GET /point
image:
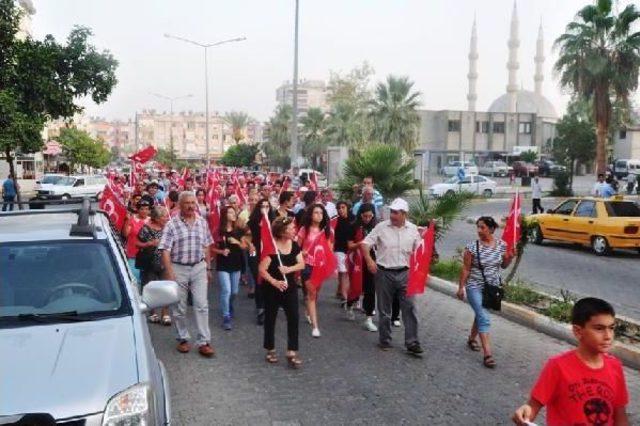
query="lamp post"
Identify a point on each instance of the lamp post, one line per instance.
(206, 46)
(171, 100)
(294, 121)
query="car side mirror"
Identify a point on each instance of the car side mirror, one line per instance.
(158, 294)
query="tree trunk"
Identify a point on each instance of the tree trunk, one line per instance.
(601, 143)
(602, 114)
(12, 171)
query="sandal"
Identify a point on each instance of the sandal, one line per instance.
(473, 345)
(154, 318)
(166, 320)
(489, 362)
(293, 361)
(271, 357)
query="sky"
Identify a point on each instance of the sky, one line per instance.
(426, 40)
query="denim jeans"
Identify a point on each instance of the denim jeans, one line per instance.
(229, 286)
(134, 270)
(8, 201)
(474, 296)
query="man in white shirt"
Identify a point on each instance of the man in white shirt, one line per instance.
(536, 195)
(329, 206)
(596, 191)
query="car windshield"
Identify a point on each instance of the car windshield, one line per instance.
(452, 180)
(44, 278)
(51, 179)
(66, 181)
(622, 209)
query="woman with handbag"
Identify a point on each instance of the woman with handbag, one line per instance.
(480, 277)
(148, 257)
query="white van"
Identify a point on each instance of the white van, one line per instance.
(75, 187)
(622, 168)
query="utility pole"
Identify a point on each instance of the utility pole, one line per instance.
(294, 121)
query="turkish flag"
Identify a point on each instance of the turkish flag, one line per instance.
(420, 262)
(183, 178)
(313, 181)
(355, 265)
(214, 220)
(512, 231)
(266, 238)
(114, 207)
(325, 263)
(144, 155)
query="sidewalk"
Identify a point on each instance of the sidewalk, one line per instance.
(347, 379)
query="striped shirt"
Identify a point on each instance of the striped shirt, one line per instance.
(186, 243)
(491, 259)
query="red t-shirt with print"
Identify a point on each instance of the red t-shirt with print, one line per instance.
(576, 394)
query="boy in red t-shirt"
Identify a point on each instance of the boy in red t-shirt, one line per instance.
(584, 386)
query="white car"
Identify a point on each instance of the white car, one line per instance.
(478, 185)
(75, 187)
(451, 169)
(48, 180)
(494, 168)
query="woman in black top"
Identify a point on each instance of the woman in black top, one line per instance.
(229, 261)
(253, 224)
(278, 272)
(343, 232)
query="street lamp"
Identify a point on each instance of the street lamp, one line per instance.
(295, 159)
(171, 100)
(205, 46)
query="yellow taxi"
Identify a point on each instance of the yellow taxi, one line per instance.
(602, 223)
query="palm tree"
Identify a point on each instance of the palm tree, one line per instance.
(314, 144)
(443, 210)
(346, 126)
(599, 59)
(394, 114)
(238, 121)
(277, 147)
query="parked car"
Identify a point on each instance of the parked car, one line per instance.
(474, 184)
(621, 168)
(74, 187)
(522, 168)
(76, 347)
(320, 178)
(48, 180)
(549, 168)
(604, 224)
(494, 168)
(451, 169)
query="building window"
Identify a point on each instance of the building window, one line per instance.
(482, 127)
(524, 128)
(191, 125)
(454, 125)
(498, 127)
(623, 134)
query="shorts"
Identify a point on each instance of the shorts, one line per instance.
(341, 258)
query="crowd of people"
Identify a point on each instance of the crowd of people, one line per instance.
(183, 227)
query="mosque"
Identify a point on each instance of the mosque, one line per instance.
(516, 121)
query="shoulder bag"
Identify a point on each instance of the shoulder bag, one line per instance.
(491, 294)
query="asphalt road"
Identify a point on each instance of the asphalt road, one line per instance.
(553, 266)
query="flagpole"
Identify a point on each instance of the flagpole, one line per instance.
(516, 216)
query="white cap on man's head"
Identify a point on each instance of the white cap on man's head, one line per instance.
(399, 204)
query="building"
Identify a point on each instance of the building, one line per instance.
(28, 10)
(627, 140)
(515, 120)
(311, 94)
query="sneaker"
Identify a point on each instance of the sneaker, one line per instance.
(183, 346)
(369, 325)
(351, 316)
(226, 323)
(315, 332)
(397, 323)
(206, 350)
(415, 348)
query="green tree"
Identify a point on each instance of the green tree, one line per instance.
(443, 210)
(276, 148)
(394, 113)
(238, 121)
(242, 155)
(41, 80)
(599, 59)
(347, 126)
(81, 149)
(391, 171)
(529, 156)
(314, 143)
(166, 156)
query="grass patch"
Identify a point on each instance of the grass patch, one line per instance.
(559, 310)
(448, 269)
(521, 294)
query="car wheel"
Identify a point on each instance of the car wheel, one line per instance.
(536, 236)
(450, 192)
(65, 197)
(600, 245)
(487, 193)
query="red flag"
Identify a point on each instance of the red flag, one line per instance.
(325, 262)
(512, 230)
(355, 265)
(144, 155)
(313, 182)
(133, 175)
(266, 238)
(183, 177)
(214, 220)
(420, 262)
(114, 207)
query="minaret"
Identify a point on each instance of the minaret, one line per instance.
(539, 60)
(472, 96)
(512, 64)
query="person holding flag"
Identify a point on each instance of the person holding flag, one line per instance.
(482, 261)
(395, 240)
(281, 259)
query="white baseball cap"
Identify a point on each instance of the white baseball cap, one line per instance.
(399, 204)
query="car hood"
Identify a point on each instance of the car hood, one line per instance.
(437, 186)
(66, 369)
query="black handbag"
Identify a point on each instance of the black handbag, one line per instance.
(491, 294)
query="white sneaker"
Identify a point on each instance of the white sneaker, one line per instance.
(315, 332)
(369, 325)
(397, 323)
(351, 316)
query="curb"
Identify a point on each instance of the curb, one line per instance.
(628, 354)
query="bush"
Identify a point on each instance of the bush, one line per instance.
(449, 269)
(521, 294)
(241, 155)
(559, 310)
(561, 185)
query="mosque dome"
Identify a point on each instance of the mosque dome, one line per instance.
(527, 102)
